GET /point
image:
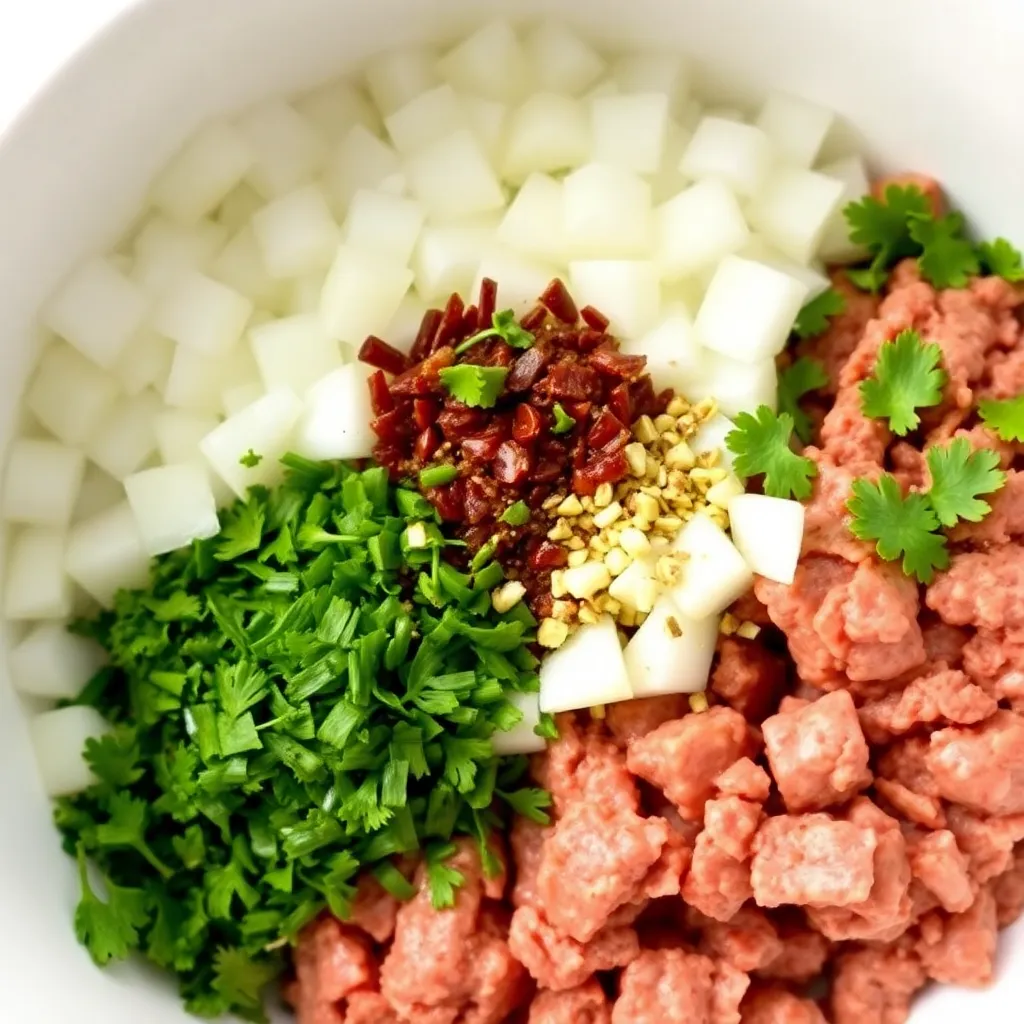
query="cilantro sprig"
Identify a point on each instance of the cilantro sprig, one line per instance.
(813, 319)
(503, 325)
(1005, 417)
(477, 386)
(906, 377)
(799, 379)
(294, 702)
(761, 444)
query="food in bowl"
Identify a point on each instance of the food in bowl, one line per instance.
(528, 423)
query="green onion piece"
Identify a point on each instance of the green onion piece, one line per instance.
(437, 476)
(488, 577)
(563, 421)
(484, 555)
(517, 514)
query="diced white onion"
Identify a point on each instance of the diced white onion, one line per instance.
(795, 126)
(361, 294)
(173, 506)
(383, 223)
(59, 739)
(37, 587)
(489, 63)
(607, 213)
(768, 533)
(698, 228)
(549, 132)
(296, 233)
(626, 291)
(41, 482)
(794, 208)
(453, 178)
(521, 739)
(53, 663)
(126, 437)
(336, 423)
(631, 130)
(294, 353)
(105, 554)
(738, 154)
(287, 150)
(671, 653)
(588, 669)
(69, 395)
(714, 573)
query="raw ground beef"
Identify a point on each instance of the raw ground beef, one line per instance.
(853, 812)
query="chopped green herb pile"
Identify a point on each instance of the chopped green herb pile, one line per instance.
(906, 377)
(300, 698)
(761, 444)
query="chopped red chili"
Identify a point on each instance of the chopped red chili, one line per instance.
(380, 354)
(558, 300)
(594, 319)
(424, 342)
(527, 423)
(487, 303)
(380, 395)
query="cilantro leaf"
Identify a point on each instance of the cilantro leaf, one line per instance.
(442, 879)
(563, 421)
(126, 827)
(1001, 259)
(813, 319)
(239, 686)
(109, 931)
(947, 259)
(178, 607)
(114, 758)
(242, 533)
(902, 527)
(250, 459)
(804, 376)
(1005, 417)
(906, 377)
(531, 803)
(240, 979)
(883, 225)
(760, 443)
(477, 386)
(505, 326)
(869, 279)
(959, 475)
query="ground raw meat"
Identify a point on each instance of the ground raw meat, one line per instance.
(747, 676)
(777, 1006)
(630, 719)
(584, 1005)
(748, 941)
(983, 589)
(960, 949)
(875, 985)
(938, 863)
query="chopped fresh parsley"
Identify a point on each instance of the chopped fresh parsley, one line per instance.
(1001, 259)
(277, 730)
(478, 386)
(1005, 417)
(517, 514)
(505, 326)
(563, 421)
(906, 377)
(804, 376)
(761, 444)
(813, 319)
(959, 475)
(250, 459)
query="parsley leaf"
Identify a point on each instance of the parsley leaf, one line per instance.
(477, 386)
(240, 979)
(947, 258)
(242, 533)
(903, 527)
(959, 475)
(1002, 259)
(804, 376)
(250, 459)
(126, 827)
(813, 319)
(530, 803)
(563, 421)
(442, 879)
(906, 377)
(1005, 417)
(114, 758)
(109, 931)
(760, 443)
(505, 326)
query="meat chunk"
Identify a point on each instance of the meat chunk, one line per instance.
(748, 940)
(987, 842)
(670, 986)
(745, 779)
(803, 954)
(369, 1007)
(630, 719)
(848, 436)
(812, 860)
(730, 823)
(1004, 522)
(996, 663)
(331, 960)
(936, 861)
(826, 517)
(584, 1005)
(947, 695)
(818, 754)
(777, 1006)
(596, 860)
(683, 758)
(982, 588)
(1008, 890)
(874, 985)
(981, 767)
(527, 841)
(558, 962)
(915, 807)
(374, 909)
(452, 965)
(718, 884)
(960, 949)
(748, 677)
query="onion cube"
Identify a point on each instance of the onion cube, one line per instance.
(669, 73)
(59, 739)
(637, 588)
(41, 482)
(238, 207)
(793, 210)
(305, 295)
(714, 573)
(383, 223)
(163, 250)
(173, 506)
(69, 395)
(606, 213)
(398, 76)
(668, 181)
(146, 362)
(334, 107)
(51, 662)
(490, 63)
(105, 554)
(521, 738)
(453, 178)
(626, 291)
(631, 130)
(587, 670)
(361, 294)
(520, 280)
(812, 276)
(296, 233)
(739, 386)
(99, 492)
(560, 60)
(671, 349)
(548, 132)
(361, 161)
(203, 314)
(748, 310)
(670, 652)
(240, 266)
(698, 228)
(405, 324)
(711, 435)
(336, 423)
(287, 150)
(428, 116)
(730, 151)
(836, 246)
(178, 434)
(126, 437)
(195, 381)
(768, 533)
(265, 428)
(203, 172)
(487, 119)
(532, 222)
(795, 127)
(37, 586)
(235, 398)
(98, 310)
(294, 353)
(447, 257)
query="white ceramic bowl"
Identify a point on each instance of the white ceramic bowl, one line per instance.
(930, 85)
